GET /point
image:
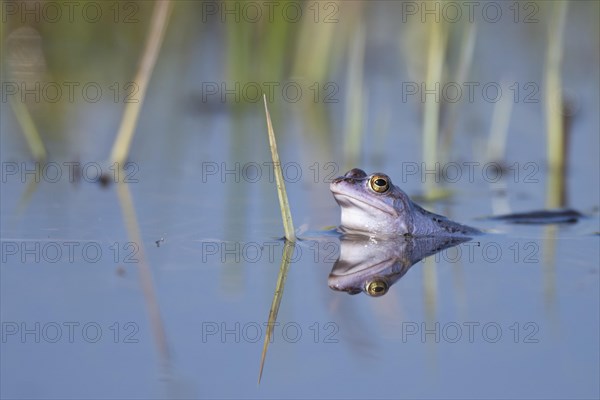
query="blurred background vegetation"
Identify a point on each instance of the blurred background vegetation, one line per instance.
(313, 42)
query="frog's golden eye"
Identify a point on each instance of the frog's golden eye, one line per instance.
(377, 288)
(379, 183)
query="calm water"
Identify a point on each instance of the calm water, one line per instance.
(161, 288)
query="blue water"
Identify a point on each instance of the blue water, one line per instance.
(161, 288)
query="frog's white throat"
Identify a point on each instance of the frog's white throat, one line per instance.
(358, 216)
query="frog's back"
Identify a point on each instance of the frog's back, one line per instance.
(427, 223)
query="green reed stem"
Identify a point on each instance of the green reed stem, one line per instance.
(29, 130)
(284, 204)
(554, 106)
(158, 26)
(435, 63)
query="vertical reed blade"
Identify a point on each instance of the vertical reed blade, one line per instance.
(499, 128)
(466, 59)
(435, 64)
(555, 108)
(355, 99)
(24, 61)
(29, 130)
(158, 26)
(315, 41)
(286, 215)
(288, 251)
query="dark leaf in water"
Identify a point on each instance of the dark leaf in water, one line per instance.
(541, 217)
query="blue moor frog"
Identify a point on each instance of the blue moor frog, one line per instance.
(372, 205)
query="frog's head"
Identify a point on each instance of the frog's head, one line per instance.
(371, 203)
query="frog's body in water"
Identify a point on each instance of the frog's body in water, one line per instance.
(372, 205)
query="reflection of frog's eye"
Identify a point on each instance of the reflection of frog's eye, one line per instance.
(377, 288)
(379, 183)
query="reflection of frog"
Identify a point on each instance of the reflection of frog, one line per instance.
(373, 205)
(373, 265)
